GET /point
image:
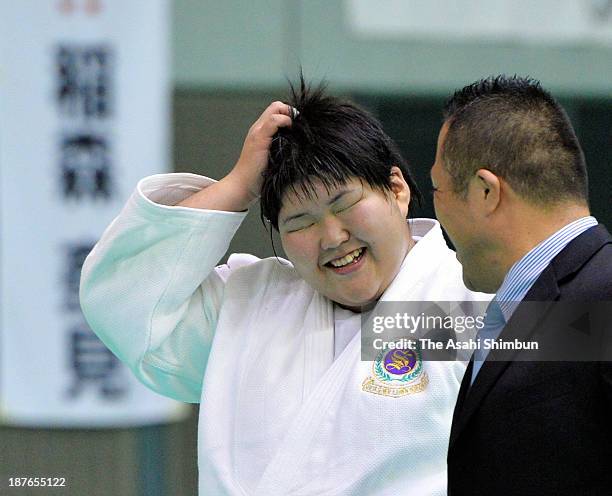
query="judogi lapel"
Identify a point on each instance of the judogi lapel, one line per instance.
(521, 325)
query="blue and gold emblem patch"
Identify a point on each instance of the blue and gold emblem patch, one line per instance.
(397, 373)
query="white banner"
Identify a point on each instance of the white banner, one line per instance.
(84, 113)
(539, 21)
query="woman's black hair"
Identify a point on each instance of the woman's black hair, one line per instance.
(331, 141)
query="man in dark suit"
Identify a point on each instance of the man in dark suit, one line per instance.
(510, 188)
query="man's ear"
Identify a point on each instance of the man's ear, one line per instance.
(486, 190)
(400, 190)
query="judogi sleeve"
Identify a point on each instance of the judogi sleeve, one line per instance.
(150, 289)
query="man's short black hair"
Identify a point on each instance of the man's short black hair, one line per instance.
(331, 140)
(517, 130)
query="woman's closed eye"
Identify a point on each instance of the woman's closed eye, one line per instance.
(299, 227)
(344, 208)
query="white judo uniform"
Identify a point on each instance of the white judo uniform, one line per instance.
(254, 344)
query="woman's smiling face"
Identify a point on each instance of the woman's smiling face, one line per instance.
(348, 242)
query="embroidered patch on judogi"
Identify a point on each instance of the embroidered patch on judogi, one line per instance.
(396, 373)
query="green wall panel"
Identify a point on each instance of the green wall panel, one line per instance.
(256, 44)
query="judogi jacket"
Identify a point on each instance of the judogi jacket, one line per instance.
(253, 344)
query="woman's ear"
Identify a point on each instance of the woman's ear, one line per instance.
(400, 190)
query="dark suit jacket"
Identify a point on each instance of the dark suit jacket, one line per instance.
(540, 428)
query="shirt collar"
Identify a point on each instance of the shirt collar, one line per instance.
(524, 273)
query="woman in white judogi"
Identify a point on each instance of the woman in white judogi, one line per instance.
(271, 348)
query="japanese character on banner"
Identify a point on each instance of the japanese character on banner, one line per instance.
(84, 82)
(93, 366)
(85, 166)
(84, 97)
(75, 255)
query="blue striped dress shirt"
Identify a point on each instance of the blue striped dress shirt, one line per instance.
(520, 278)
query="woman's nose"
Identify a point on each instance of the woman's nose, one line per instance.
(333, 233)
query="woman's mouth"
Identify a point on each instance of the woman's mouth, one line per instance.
(348, 263)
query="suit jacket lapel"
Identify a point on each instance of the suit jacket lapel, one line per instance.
(521, 325)
(580, 250)
(463, 391)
